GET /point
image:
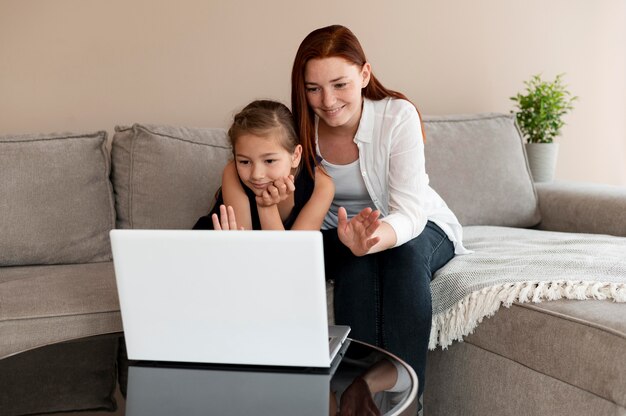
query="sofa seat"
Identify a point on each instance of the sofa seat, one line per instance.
(43, 305)
(526, 345)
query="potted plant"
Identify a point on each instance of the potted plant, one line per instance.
(540, 118)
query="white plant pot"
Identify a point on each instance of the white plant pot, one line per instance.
(542, 160)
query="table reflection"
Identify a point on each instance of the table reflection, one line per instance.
(369, 382)
(358, 385)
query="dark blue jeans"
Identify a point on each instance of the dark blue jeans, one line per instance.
(385, 297)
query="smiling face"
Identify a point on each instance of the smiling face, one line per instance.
(260, 160)
(333, 90)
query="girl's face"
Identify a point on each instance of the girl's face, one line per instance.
(333, 90)
(260, 160)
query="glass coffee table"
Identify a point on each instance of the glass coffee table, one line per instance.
(189, 390)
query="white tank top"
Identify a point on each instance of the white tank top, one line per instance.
(350, 191)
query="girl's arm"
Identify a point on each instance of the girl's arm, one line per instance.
(268, 204)
(235, 196)
(312, 214)
(225, 220)
(269, 217)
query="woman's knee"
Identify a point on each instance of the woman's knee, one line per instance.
(430, 250)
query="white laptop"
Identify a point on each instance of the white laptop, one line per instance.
(225, 297)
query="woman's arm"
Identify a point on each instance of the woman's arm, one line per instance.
(235, 196)
(407, 185)
(387, 238)
(365, 233)
(407, 180)
(312, 214)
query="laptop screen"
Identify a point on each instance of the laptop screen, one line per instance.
(239, 297)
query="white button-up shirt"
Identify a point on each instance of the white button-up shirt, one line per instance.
(391, 159)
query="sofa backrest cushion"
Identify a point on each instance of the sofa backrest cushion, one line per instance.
(166, 177)
(56, 200)
(478, 165)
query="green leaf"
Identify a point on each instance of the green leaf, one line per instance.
(540, 110)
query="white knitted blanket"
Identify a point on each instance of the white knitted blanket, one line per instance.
(520, 265)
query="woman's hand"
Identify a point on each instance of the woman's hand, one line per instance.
(226, 221)
(276, 192)
(356, 233)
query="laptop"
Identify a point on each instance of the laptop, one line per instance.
(225, 297)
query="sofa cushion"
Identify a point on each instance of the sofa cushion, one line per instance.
(582, 343)
(57, 201)
(166, 177)
(579, 207)
(42, 305)
(478, 165)
(468, 380)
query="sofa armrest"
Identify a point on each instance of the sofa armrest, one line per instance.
(582, 208)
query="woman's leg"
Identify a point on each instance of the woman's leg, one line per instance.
(356, 290)
(405, 273)
(385, 297)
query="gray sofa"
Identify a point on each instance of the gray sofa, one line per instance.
(559, 357)
(60, 329)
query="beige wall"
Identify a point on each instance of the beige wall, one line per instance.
(86, 64)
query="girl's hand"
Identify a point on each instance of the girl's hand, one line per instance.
(356, 234)
(277, 192)
(227, 220)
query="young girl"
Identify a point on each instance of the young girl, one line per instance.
(387, 230)
(272, 183)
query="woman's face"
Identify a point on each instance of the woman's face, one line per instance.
(333, 90)
(262, 160)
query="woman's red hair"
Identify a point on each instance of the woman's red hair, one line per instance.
(327, 42)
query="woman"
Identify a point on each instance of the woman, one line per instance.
(387, 231)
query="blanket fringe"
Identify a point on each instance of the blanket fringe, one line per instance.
(461, 320)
